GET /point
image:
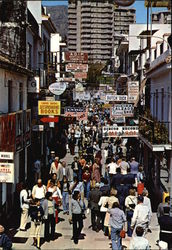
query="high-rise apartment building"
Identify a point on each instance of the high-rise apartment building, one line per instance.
(161, 17)
(92, 27)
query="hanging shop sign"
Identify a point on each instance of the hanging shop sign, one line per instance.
(71, 67)
(37, 128)
(119, 119)
(33, 85)
(80, 75)
(124, 2)
(126, 110)
(49, 108)
(76, 57)
(81, 114)
(120, 131)
(57, 88)
(6, 172)
(157, 3)
(116, 98)
(6, 156)
(81, 96)
(133, 91)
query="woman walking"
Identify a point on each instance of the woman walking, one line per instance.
(76, 209)
(65, 194)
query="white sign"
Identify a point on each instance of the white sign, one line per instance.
(119, 119)
(117, 98)
(81, 96)
(38, 128)
(120, 131)
(6, 155)
(34, 85)
(7, 172)
(133, 91)
(126, 110)
(57, 88)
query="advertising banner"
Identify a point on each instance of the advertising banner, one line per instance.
(133, 91)
(6, 172)
(49, 107)
(116, 98)
(7, 132)
(122, 110)
(70, 67)
(76, 57)
(120, 131)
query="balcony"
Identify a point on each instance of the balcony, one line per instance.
(160, 59)
(154, 134)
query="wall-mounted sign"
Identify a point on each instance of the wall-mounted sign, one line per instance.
(116, 98)
(6, 156)
(126, 110)
(76, 57)
(57, 88)
(81, 96)
(124, 2)
(71, 67)
(6, 172)
(157, 3)
(34, 85)
(49, 108)
(120, 131)
(119, 119)
(133, 91)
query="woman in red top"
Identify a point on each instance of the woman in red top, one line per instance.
(86, 177)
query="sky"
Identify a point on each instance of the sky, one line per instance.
(141, 11)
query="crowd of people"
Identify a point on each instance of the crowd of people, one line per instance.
(113, 190)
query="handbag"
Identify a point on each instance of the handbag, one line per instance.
(122, 233)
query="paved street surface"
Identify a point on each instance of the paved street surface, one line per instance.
(89, 240)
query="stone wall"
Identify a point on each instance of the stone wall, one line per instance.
(13, 30)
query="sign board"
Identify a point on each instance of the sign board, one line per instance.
(81, 96)
(6, 156)
(133, 91)
(81, 114)
(70, 67)
(49, 108)
(6, 172)
(126, 110)
(50, 119)
(37, 128)
(76, 57)
(66, 79)
(80, 75)
(157, 3)
(120, 131)
(116, 98)
(34, 85)
(57, 88)
(124, 2)
(119, 119)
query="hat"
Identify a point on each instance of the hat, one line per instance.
(163, 245)
(52, 152)
(97, 185)
(1, 229)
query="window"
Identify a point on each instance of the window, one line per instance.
(155, 54)
(162, 104)
(10, 96)
(29, 56)
(20, 96)
(156, 103)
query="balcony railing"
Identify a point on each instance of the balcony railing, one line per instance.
(154, 131)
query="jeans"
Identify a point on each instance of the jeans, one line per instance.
(77, 225)
(65, 202)
(87, 189)
(129, 217)
(116, 239)
(49, 222)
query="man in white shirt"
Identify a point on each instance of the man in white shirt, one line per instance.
(24, 204)
(39, 191)
(112, 168)
(141, 216)
(139, 242)
(55, 166)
